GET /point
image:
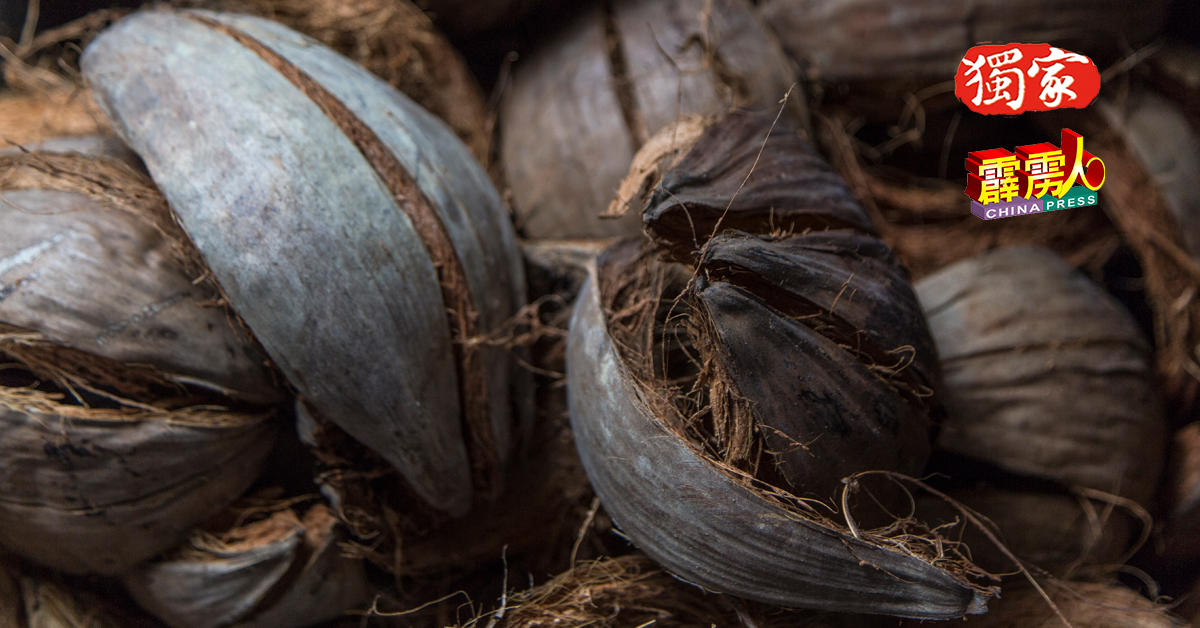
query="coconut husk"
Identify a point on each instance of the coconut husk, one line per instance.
(397, 42)
(1183, 481)
(537, 525)
(49, 605)
(87, 145)
(1083, 604)
(118, 394)
(10, 600)
(43, 96)
(755, 381)
(587, 100)
(403, 210)
(1176, 558)
(1045, 373)
(81, 476)
(32, 598)
(1045, 526)
(30, 118)
(94, 262)
(275, 566)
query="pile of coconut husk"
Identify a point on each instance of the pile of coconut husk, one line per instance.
(547, 554)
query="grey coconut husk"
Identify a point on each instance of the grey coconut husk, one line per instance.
(1045, 374)
(397, 42)
(586, 101)
(119, 392)
(341, 191)
(1046, 377)
(684, 451)
(277, 565)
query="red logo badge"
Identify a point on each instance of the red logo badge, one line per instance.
(1015, 78)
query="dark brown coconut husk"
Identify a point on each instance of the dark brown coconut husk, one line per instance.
(397, 42)
(734, 176)
(738, 345)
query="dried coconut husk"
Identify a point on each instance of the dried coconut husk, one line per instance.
(1045, 374)
(882, 48)
(97, 490)
(397, 42)
(87, 145)
(94, 262)
(277, 565)
(1083, 604)
(631, 591)
(1176, 555)
(116, 389)
(342, 191)
(740, 390)
(590, 97)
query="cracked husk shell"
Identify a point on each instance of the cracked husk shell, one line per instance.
(115, 403)
(717, 403)
(354, 234)
(1044, 374)
(707, 528)
(283, 570)
(586, 101)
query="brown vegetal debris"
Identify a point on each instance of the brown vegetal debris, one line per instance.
(632, 591)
